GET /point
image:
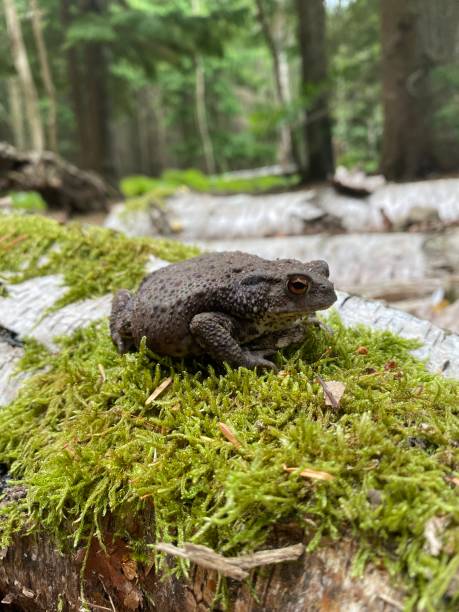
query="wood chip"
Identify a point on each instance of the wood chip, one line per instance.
(309, 473)
(333, 391)
(159, 389)
(233, 567)
(229, 435)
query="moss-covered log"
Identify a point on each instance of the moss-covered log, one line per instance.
(229, 459)
(62, 185)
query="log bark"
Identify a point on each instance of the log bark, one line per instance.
(36, 576)
(62, 185)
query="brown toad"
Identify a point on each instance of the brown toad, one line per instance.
(233, 306)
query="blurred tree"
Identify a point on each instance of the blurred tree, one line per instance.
(407, 150)
(16, 112)
(315, 89)
(201, 109)
(417, 37)
(46, 75)
(88, 31)
(272, 17)
(355, 67)
(21, 62)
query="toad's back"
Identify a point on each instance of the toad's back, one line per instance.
(170, 297)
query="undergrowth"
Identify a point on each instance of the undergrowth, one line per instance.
(83, 442)
(133, 186)
(93, 260)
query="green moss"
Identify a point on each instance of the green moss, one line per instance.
(30, 201)
(134, 186)
(93, 260)
(82, 440)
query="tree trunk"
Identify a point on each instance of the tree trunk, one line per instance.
(201, 108)
(317, 128)
(46, 75)
(274, 37)
(16, 112)
(407, 151)
(201, 115)
(88, 73)
(99, 154)
(21, 63)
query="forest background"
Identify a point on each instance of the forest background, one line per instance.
(128, 87)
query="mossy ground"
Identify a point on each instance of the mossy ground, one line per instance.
(93, 260)
(133, 186)
(85, 444)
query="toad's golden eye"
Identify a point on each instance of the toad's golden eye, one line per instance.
(298, 285)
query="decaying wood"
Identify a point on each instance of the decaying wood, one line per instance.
(35, 576)
(62, 185)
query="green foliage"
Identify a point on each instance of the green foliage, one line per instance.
(93, 260)
(355, 52)
(30, 201)
(87, 447)
(133, 186)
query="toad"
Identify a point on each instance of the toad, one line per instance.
(232, 306)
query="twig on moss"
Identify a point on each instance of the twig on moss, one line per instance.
(233, 567)
(157, 392)
(229, 435)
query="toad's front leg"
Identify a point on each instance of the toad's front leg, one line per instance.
(214, 332)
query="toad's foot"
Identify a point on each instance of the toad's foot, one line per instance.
(213, 331)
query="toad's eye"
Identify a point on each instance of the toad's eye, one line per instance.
(298, 285)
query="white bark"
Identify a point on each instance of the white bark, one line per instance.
(21, 63)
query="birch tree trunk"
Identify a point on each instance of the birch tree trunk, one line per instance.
(21, 63)
(46, 75)
(16, 112)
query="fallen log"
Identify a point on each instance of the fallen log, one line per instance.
(62, 185)
(35, 575)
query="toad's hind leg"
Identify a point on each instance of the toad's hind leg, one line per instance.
(120, 321)
(213, 331)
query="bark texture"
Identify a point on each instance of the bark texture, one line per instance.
(36, 577)
(62, 185)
